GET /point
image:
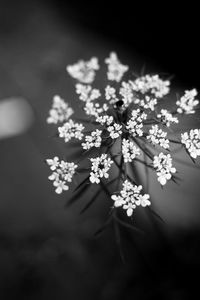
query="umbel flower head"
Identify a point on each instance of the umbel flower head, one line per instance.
(62, 173)
(126, 123)
(130, 197)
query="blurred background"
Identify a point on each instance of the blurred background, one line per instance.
(48, 250)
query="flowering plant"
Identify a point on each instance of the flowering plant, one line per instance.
(126, 127)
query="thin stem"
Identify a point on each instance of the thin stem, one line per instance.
(116, 163)
(143, 148)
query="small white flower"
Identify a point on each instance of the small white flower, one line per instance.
(130, 197)
(100, 167)
(63, 173)
(94, 178)
(87, 93)
(129, 151)
(147, 102)
(163, 166)
(158, 137)
(143, 200)
(60, 111)
(84, 71)
(93, 140)
(115, 130)
(70, 130)
(191, 141)
(60, 186)
(166, 117)
(187, 103)
(116, 70)
(152, 84)
(53, 163)
(135, 124)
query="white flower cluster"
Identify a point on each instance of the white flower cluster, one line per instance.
(166, 117)
(129, 150)
(135, 124)
(158, 137)
(94, 109)
(60, 111)
(105, 120)
(147, 102)
(87, 93)
(163, 166)
(93, 140)
(110, 94)
(152, 84)
(187, 103)
(62, 173)
(115, 130)
(124, 122)
(100, 167)
(84, 71)
(127, 94)
(116, 70)
(130, 197)
(70, 130)
(191, 141)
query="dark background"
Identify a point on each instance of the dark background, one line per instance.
(47, 251)
(163, 32)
